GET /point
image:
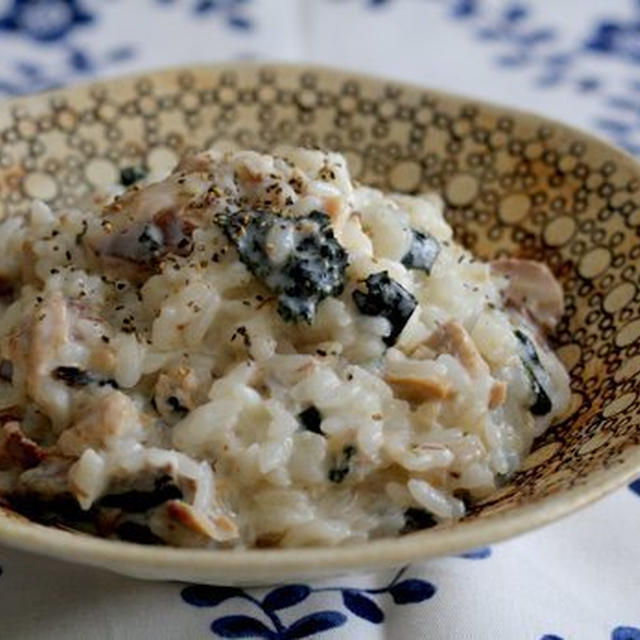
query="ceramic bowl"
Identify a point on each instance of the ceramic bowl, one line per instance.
(513, 183)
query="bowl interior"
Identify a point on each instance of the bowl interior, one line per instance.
(513, 183)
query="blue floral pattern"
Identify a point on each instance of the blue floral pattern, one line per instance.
(363, 603)
(522, 43)
(625, 633)
(233, 11)
(481, 553)
(539, 48)
(53, 24)
(615, 38)
(619, 633)
(44, 20)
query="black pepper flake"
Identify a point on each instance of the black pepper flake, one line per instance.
(105, 339)
(79, 236)
(386, 298)
(67, 255)
(242, 331)
(311, 420)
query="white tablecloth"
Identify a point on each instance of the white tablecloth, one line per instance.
(578, 60)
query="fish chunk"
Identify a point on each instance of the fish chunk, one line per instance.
(532, 287)
(112, 416)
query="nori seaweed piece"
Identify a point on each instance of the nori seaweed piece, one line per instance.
(387, 298)
(314, 269)
(135, 532)
(136, 501)
(76, 377)
(422, 253)
(417, 519)
(340, 469)
(541, 402)
(131, 175)
(311, 419)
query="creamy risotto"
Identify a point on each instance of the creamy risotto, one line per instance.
(257, 352)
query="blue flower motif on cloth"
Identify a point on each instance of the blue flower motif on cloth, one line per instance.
(44, 20)
(619, 633)
(481, 553)
(635, 486)
(56, 59)
(616, 39)
(621, 122)
(524, 42)
(28, 75)
(625, 633)
(232, 10)
(359, 602)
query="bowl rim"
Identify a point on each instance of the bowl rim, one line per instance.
(20, 533)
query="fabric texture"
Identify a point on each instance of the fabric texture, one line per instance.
(577, 60)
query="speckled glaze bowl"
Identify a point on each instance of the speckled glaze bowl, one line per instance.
(513, 183)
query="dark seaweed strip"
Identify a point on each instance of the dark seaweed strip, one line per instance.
(541, 401)
(176, 405)
(529, 348)
(76, 377)
(340, 468)
(423, 252)
(131, 175)
(417, 519)
(138, 533)
(311, 420)
(314, 269)
(136, 501)
(387, 298)
(542, 404)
